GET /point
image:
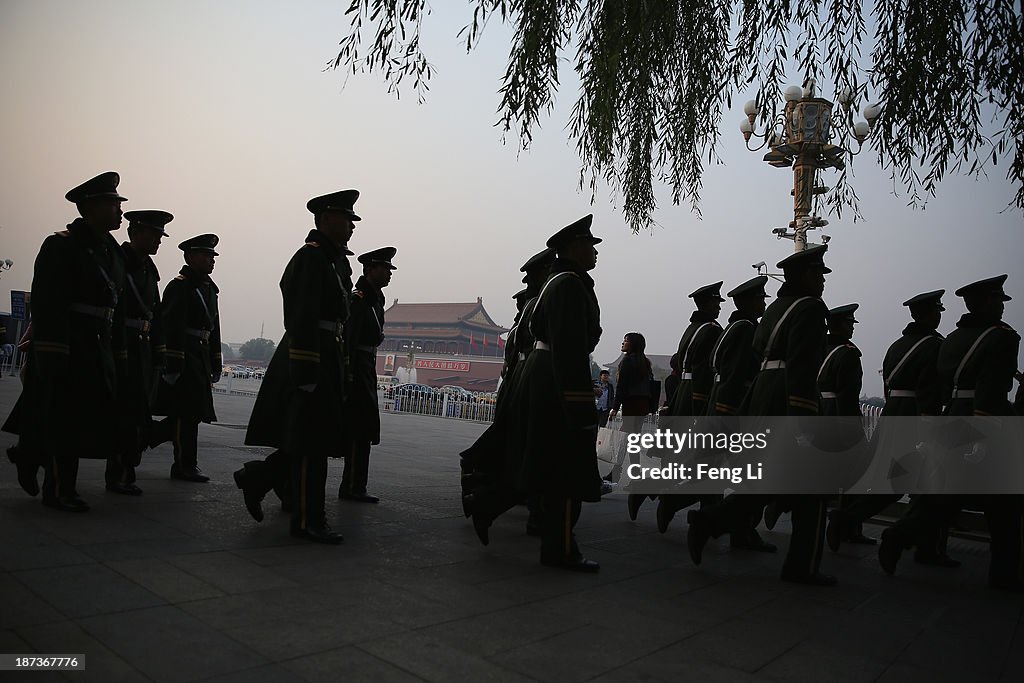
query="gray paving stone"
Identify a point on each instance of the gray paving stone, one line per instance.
(166, 644)
(230, 573)
(21, 606)
(823, 663)
(84, 590)
(434, 660)
(162, 578)
(349, 664)
(69, 637)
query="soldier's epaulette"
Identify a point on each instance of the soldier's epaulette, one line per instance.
(63, 233)
(359, 293)
(180, 277)
(312, 244)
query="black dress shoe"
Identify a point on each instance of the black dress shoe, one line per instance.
(574, 564)
(817, 579)
(633, 503)
(664, 515)
(124, 489)
(252, 501)
(318, 534)
(482, 526)
(196, 476)
(66, 503)
(937, 560)
(359, 497)
(697, 535)
(889, 551)
(833, 532)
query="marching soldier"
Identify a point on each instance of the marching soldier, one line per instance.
(911, 384)
(69, 405)
(488, 486)
(791, 341)
(364, 332)
(300, 407)
(696, 380)
(555, 398)
(190, 320)
(145, 350)
(976, 366)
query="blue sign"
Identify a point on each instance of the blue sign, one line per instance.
(19, 305)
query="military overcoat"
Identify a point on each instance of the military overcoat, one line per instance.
(143, 337)
(734, 365)
(840, 378)
(694, 355)
(910, 373)
(364, 332)
(976, 366)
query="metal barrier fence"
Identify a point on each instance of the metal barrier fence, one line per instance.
(437, 404)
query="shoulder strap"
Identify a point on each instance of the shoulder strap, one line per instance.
(718, 344)
(778, 326)
(887, 381)
(541, 296)
(967, 356)
(689, 345)
(825, 362)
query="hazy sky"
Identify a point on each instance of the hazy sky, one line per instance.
(221, 113)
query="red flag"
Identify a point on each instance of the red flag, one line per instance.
(485, 341)
(471, 340)
(501, 343)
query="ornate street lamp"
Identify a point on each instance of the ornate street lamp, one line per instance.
(5, 264)
(801, 137)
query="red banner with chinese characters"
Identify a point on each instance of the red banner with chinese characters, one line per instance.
(449, 365)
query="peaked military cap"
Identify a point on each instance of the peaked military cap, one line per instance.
(578, 230)
(103, 185)
(991, 285)
(377, 256)
(844, 311)
(754, 285)
(149, 219)
(926, 299)
(542, 259)
(713, 291)
(342, 202)
(200, 243)
(811, 257)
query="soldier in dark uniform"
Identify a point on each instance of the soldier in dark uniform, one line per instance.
(488, 481)
(190, 320)
(300, 408)
(69, 405)
(364, 332)
(790, 340)
(144, 346)
(553, 401)
(696, 380)
(910, 382)
(976, 365)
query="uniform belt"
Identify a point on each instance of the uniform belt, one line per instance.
(686, 376)
(902, 393)
(829, 394)
(139, 324)
(773, 365)
(522, 356)
(963, 393)
(541, 346)
(203, 335)
(95, 311)
(368, 349)
(334, 327)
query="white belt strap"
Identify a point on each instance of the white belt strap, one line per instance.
(963, 393)
(773, 365)
(686, 375)
(829, 394)
(902, 393)
(541, 346)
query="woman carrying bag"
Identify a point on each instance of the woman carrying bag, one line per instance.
(632, 394)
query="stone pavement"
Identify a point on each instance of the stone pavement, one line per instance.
(181, 584)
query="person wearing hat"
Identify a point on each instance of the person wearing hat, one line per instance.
(486, 492)
(190, 320)
(364, 332)
(300, 409)
(553, 445)
(144, 347)
(790, 342)
(910, 382)
(68, 407)
(976, 367)
(696, 378)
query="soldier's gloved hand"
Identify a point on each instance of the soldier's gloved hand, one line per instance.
(308, 388)
(171, 377)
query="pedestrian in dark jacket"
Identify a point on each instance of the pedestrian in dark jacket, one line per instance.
(632, 394)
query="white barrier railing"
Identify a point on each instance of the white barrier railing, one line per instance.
(437, 404)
